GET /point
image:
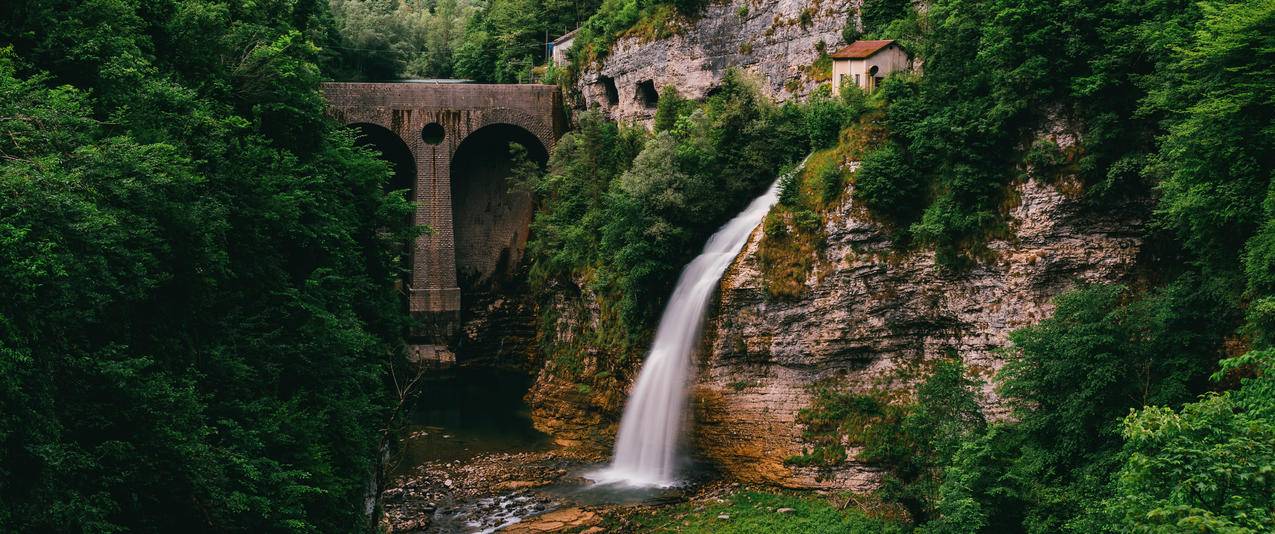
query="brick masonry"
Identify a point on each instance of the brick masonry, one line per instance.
(461, 109)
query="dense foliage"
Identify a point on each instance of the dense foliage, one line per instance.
(385, 40)
(496, 41)
(493, 41)
(996, 76)
(197, 273)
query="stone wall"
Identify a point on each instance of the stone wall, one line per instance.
(491, 218)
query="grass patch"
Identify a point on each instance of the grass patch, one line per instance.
(821, 69)
(839, 418)
(757, 511)
(794, 228)
(658, 22)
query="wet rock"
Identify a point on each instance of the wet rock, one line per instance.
(517, 485)
(485, 493)
(565, 519)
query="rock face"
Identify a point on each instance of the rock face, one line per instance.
(570, 401)
(868, 311)
(584, 420)
(775, 40)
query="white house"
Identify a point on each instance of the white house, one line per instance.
(561, 45)
(866, 63)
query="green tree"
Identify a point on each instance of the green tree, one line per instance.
(198, 271)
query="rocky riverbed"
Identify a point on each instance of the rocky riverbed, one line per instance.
(486, 493)
(525, 493)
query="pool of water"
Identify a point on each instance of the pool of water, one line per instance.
(581, 487)
(466, 411)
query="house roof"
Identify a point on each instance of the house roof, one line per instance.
(861, 49)
(566, 36)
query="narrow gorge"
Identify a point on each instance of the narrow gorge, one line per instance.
(631, 266)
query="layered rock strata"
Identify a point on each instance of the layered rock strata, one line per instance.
(868, 312)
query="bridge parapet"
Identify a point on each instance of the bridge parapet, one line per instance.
(433, 120)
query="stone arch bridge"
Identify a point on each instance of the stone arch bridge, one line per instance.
(448, 145)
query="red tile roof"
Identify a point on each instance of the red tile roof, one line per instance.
(861, 49)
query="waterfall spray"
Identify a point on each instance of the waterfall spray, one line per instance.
(646, 450)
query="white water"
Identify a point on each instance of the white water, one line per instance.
(646, 450)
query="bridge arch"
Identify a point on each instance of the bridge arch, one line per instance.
(393, 150)
(402, 162)
(491, 216)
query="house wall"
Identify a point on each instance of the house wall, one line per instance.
(560, 51)
(890, 59)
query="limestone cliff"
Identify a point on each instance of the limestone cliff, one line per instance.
(867, 311)
(777, 41)
(864, 311)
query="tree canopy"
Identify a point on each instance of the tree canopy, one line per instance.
(198, 273)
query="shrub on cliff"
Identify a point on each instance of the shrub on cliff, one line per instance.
(825, 117)
(888, 185)
(911, 439)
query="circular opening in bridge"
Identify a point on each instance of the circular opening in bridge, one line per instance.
(433, 133)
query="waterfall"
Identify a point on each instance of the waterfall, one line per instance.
(646, 450)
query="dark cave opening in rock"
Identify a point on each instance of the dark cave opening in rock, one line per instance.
(647, 95)
(608, 87)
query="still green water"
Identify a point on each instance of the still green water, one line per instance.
(463, 412)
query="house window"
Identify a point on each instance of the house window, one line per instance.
(856, 80)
